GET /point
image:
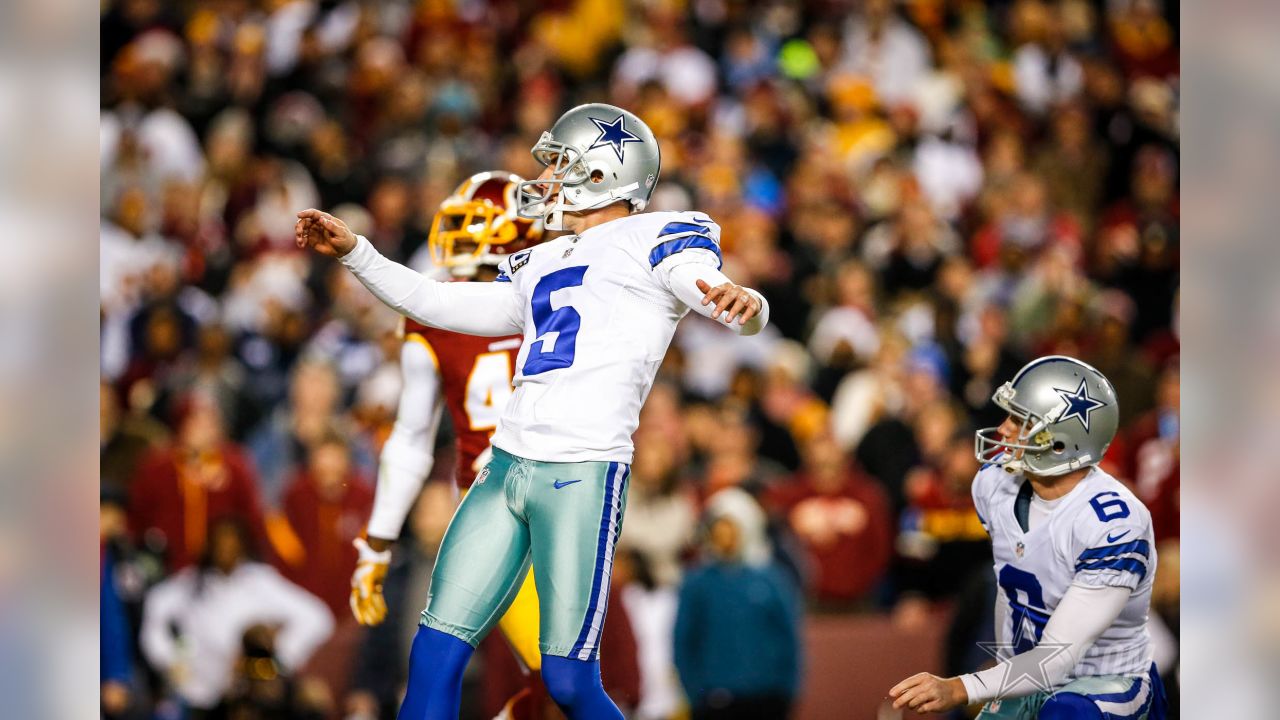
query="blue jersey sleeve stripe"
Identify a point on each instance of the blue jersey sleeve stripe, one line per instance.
(1095, 561)
(671, 247)
(1141, 547)
(502, 277)
(682, 228)
(1132, 565)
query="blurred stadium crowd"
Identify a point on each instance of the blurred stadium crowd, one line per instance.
(930, 193)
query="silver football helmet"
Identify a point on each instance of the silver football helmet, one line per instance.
(598, 154)
(1067, 413)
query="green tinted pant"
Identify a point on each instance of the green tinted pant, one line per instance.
(1114, 696)
(565, 518)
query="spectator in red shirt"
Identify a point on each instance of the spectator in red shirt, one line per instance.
(842, 519)
(326, 505)
(181, 489)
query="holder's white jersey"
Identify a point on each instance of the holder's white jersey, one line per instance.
(599, 313)
(1099, 534)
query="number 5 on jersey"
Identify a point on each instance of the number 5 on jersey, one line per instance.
(554, 353)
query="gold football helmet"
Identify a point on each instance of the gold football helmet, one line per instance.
(477, 224)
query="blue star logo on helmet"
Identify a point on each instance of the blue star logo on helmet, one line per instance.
(614, 134)
(1079, 404)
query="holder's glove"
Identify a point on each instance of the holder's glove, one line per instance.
(367, 603)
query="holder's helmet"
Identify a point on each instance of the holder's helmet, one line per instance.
(1067, 415)
(598, 154)
(478, 225)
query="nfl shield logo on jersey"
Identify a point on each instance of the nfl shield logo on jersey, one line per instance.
(484, 473)
(1019, 549)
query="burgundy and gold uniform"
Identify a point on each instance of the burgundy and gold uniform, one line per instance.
(474, 230)
(475, 379)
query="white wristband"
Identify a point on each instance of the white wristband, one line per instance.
(369, 555)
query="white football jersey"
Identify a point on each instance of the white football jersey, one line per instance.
(1099, 534)
(599, 315)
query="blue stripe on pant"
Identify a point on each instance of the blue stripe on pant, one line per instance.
(588, 643)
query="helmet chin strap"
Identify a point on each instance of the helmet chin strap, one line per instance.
(553, 219)
(617, 193)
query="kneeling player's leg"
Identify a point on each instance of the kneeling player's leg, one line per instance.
(575, 515)
(483, 558)
(1094, 698)
(1023, 708)
(1070, 706)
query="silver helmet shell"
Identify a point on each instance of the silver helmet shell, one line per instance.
(1067, 414)
(598, 154)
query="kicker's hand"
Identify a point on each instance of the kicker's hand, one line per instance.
(732, 301)
(367, 603)
(927, 693)
(324, 233)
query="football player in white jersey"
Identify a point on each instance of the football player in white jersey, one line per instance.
(597, 309)
(1074, 561)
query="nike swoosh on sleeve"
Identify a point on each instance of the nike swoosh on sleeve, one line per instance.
(1117, 537)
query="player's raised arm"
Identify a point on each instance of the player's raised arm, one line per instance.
(685, 253)
(489, 309)
(709, 292)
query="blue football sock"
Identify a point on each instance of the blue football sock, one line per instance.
(576, 688)
(435, 676)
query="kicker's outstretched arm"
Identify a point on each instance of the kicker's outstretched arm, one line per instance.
(489, 309)
(709, 292)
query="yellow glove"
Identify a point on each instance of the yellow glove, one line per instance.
(367, 603)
